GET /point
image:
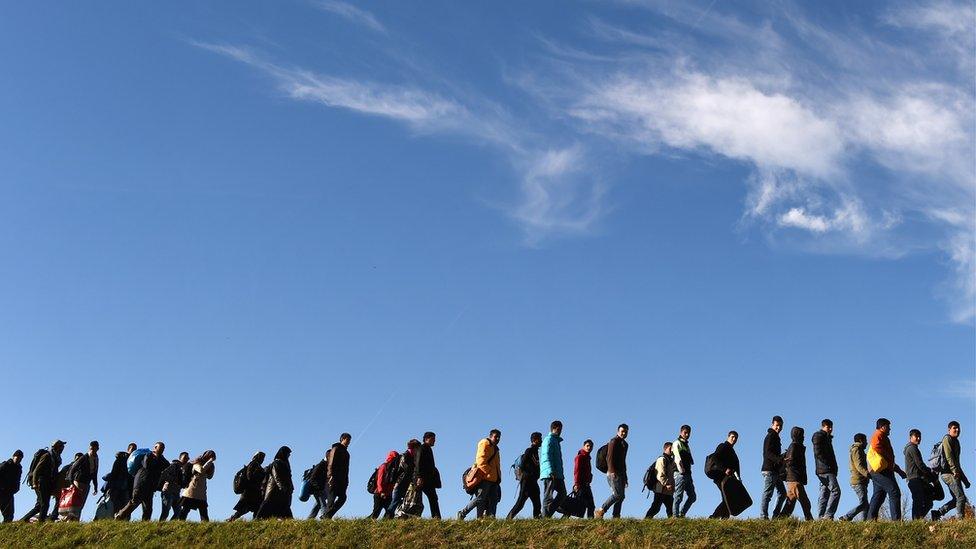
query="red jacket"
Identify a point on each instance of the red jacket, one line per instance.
(582, 473)
(382, 488)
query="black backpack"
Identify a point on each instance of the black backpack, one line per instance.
(391, 472)
(371, 483)
(307, 474)
(712, 469)
(33, 464)
(650, 478)
(240, 480)
(601, 458)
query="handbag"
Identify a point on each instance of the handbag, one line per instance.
(69, 502)
(437, 479)
(104, 510)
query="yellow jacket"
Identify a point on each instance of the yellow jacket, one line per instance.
(488, 461)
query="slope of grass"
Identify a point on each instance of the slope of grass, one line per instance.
(523, 533)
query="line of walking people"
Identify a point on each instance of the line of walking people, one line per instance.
(401, 482)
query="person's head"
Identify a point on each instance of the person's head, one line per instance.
(184, 457)
(667, 448)
(158, 448)
(258, 457)
(283, 453)
(587, 446)
(883, 425)
(556, 427)
(777, 424)
(732, 438)
(622, 430)
(685, 432)
(535, 439)
(796, 434)
(953, 429)
(430, 438)
(93, 447)
(915, 436)
(413, 444)
(131, 447)
(18, 456)
(345, 439)
(495, 436)
(209, 455)
(58, 446)
(827, 426)
(861, 438)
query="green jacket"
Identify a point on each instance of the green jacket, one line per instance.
(950, 447)
(858, 464)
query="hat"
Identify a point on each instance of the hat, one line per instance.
(57, 442)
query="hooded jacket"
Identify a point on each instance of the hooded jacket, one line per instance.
(551, 457)
(823, 453)
(858, 464)
(197, 487)
(338, 465)
(488, 460)
(10, 473)
(772, 452)
(384, 488)
(881, 443)
(582, 469)
(795, 458)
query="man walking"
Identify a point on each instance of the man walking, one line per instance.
(953, 477)
(583, 478)
(318, 481)
(551, 468)
(171, 481)
(145, 482)
(918, 475)
(528, 477)
(10, 472)
(84, 471)
(428, 477)
(616, 472)
(664, 470)
(40, 477)
(684, 486)
(826, 463)
(772, 470)
(487, 466)
(726, 461)
(338, 474)
(858, 464)
(882, 473)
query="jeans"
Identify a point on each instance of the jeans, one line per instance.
(431, 493)
(861, 491)
(829, 495)
(958, 496)
(528, 491)
(485, 500)
(380, 505)
(558, 486)
(616, 500)
(660, 500)
(585, 495)
(336, 498)
(921, 502)
(399, 492)
(771, 482)
(684, 487)
(321, 504)
(170, 501)
(885, 486)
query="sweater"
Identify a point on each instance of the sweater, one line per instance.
(551, 457)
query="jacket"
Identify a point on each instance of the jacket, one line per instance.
(582, 469)
(383, 488)
(772, 453)
(950, 447)
(664, 469)
(171, 479)
(83, 471)
(551, 457)
(726, 458)
(823, 453)
(10, 477)
(795, 458)
(881, 444)
(278, 490)
(319, 477)
(118, 478)
(338, 465)
(617, 457)
(530, 465)
(488, 460)
(682, 456)
(197, 488)
(915, 466)
(858, 464)
(44, 470)
(408, 467)
(426, 468)
(147, 478)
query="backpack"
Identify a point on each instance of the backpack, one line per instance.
(136, 461)
(517, 467)
(650, 477)
(307, 475)
(712, 469)
(240, 480)
(371, 483)
(937, 459)
(33, 464)
(601, 458)
(391, 472)
(468, 489)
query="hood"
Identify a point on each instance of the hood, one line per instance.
(857, 445)
(392, 456)
(796, 434)
(583, 453)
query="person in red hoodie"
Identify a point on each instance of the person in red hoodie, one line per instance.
(385, 483)
(583, 477)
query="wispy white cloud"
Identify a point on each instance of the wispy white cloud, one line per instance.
(352, 13)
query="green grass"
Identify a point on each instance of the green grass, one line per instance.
(522, 533)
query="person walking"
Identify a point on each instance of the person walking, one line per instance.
(826, 464)
(338, 474)
(919, 476)
(664, 470)
(319, 481)
(405, 477)
(882, 469)
(386, 475)
(428, 477)
(279, 487)
(726, 461)
(953, 476)
(772, 470)
(10, 473)
(616, 473)
(858, 464)
(795, 461)
(61, 483)
(41, 476)
(117, 484)
(195, 493)
(528, 473)
(551, 469)
(583, 478)
(171, 481)
(487, 467)
(144, 483)
(84, 471)
(684, 484)
(252, 493)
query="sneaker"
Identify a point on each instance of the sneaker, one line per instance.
(460, 515)
(844, 518)
(936, 514)
(598, 513)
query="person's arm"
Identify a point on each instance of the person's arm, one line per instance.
(331, 466)
(576, 472)
(860, 463)
(208, 468)
(611, 470)
(659, 471)
(950, 459)
(676, 450)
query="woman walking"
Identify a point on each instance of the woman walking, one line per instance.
(253, 489)
(195, 493)
(278, 487)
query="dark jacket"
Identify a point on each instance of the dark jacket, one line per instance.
(795, 458)
(278, 490)
(83, 472)
(338, 465)
(147, 478)
(171, 479)
(45, 470)
(772, 453)
(426, 468)
(250, 500)
(915, 466)
(406, 468)
(118, 478)
(319, 476)
(823, 453)
(617, 457)
(530, 465)
(726, 458)
(582, 469)
(10, 473)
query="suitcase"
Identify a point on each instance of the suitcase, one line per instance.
(736, 496)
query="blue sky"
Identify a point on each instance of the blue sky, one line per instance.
(245, 224)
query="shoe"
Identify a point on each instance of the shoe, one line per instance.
(460, 515)
(844, 518)
(936, 514)
(598, 513)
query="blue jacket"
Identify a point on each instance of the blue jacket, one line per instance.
(551, 457)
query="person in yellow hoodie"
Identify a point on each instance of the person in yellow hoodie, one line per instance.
(487, 467)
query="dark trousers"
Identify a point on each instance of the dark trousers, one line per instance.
(722, 509)
(921, 502)
(380, 504)
(170, 501)
(665, 500)
(431, 493)
(147, 505)
(189, 504)
(557, 486)
(801, 496)
(528, 490)
(337, 498)
(43, 492)
(7, 506)
(585, 495)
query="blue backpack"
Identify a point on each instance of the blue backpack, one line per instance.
(517, 467)
(937, 459)
(136, 461)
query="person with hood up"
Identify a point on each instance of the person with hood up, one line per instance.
(338, 474)
(795, 460)
(252, 496)
(10, 473)
(385, 483)
(195, 493)
(551, 469)
(278, 487)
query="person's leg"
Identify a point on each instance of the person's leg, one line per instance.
(862, 502)
(621, 494)
(559, 487)
(492, 503)
(336, 499)
(314, 513)
(958, 500)
(804, 502)
(780, 496)
(399, 492)
(612, 498)
(917, 487)
(877, 497)
(769, 483)
(378, 506)
(547, 490)
(147, 506)
(824, 495)
(834, 501)
(679, 494)
(431, 493)
(475, 502)
(7, 507)
(165, 505)
(53, 506)
(204, 512)
(722, 509)
(894, 499)
(589, 503)
(519, 502)
(668, 500)
(655, 506)
(690, 495)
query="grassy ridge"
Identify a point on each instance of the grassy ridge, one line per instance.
(522, 533)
